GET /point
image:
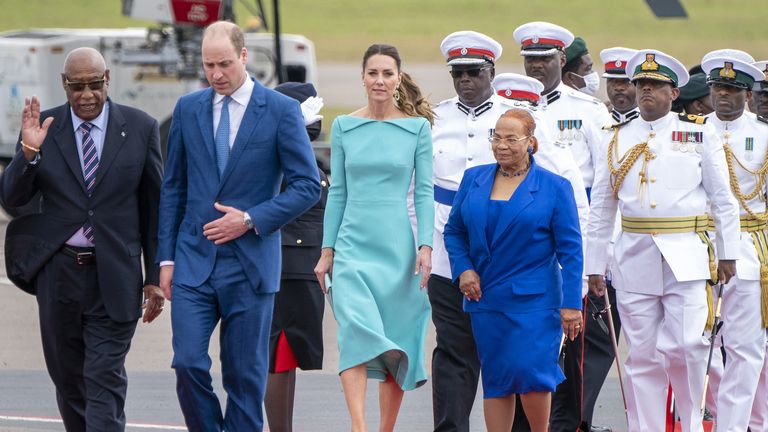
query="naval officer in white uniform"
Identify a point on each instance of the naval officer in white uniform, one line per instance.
(664, 172)
(731, 77)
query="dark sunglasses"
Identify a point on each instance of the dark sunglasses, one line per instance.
(80, 86)
(472, 73)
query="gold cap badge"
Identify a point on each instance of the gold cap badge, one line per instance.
(650, 63)
(727, 71)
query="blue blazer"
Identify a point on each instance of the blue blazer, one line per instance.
(270, 145)
(537, 233)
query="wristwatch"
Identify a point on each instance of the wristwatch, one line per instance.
(247, 221)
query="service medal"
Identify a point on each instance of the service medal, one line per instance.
(577, 134)
(561, 127)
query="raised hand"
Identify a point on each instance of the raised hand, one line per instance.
(32, 132)
(310, 110)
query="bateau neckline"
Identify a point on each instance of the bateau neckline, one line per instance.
(384, 120)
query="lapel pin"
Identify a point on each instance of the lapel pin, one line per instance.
(122, 134)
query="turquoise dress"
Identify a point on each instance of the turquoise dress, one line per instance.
(382, 313)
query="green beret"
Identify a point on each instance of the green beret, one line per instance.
(576, 49)
(696, 88)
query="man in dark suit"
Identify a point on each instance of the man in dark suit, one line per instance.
(98, 168)
(229, 147)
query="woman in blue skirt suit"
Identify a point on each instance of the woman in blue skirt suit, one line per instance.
(514, 243)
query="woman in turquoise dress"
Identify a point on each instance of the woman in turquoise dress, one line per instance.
(379, 270)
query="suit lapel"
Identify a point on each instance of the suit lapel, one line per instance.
(251, 118)
(205, 122)
(479, 202)
(114, 138)
(65, 140)
(520, 199)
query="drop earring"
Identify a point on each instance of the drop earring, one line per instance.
(397, 93)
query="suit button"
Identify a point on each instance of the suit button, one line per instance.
(90, 212)
(653, 204)
(298, 241)
(323, 183)
(653, 179)
(471, 134)
(470, 158)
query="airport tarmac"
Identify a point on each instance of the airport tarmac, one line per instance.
(28, 402)
(27, 398)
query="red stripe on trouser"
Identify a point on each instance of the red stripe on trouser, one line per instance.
(670, 425)
(285, 359)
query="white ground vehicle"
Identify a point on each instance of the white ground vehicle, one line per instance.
(149, 68)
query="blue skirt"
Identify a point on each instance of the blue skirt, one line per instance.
(518, 351)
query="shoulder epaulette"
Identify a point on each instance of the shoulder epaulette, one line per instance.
(580, 95)
(445, 102)
(512, 103)
(762, 119)
(618, 125)
(692, 118)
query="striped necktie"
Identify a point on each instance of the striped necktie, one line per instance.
(222, 136)
(90, 165)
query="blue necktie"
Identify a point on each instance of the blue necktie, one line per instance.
(90, 165)
(222, 136)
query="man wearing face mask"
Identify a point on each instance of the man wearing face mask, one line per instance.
(598, 348)
(577, 72)
(577, 120)
(459, 141)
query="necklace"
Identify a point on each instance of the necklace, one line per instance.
(517, 173)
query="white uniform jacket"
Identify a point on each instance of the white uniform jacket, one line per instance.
(577, 121)
(686, 176)
(460, 141)
(748, 139)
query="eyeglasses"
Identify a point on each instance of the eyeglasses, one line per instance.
(472, 73)
(496, 140)
(80, 86)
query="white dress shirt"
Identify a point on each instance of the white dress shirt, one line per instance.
(97, 134)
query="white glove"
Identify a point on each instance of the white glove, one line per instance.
(310, 109)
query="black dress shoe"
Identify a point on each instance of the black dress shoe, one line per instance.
(600, 429)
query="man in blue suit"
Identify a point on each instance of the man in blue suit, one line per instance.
(221, 210)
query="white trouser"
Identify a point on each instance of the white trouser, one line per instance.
(743, 338)
(665, 345)
(759, 420)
